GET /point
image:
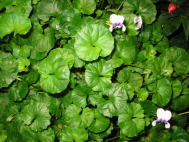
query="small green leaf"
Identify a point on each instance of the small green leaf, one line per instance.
(144, 8)
(112, 101)
(87, 117)
(19, 91)
(85, 6)
(131, 122)
(180, 103)
(98, 75)
(8, 69)
(70, 134)
(36, 116)
(177, 88)
(164, 92)
(100, 123)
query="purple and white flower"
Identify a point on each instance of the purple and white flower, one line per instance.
(116, 22)
(163, 116)
(138, 21)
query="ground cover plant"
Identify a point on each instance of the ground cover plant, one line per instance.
(94, 70)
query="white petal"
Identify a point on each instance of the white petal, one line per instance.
(167, 115)
(167, 125)
(113, 18)
(120, 19)
(154, 123)
(160, 113)
(123, 28)
(111, 28)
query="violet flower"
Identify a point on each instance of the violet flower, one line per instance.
(163, 117)
(116, 22)
(138, 21)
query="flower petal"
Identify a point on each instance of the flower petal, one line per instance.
(167, 115)
(113, 18)
(154, 123)
(167, 125)
(120, 19)
(160, 113)
(123, 28)
(111, 28)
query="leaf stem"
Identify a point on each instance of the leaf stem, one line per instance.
(120, 5)
(187, 112)
(113, 138)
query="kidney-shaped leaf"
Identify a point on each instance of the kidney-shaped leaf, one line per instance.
(145, 8)
(164, 92)
(98, 75)
(92, 41)
(111, 101)
(14, 22)
(36, 115)
(131, 122)
(8, 69)
(54, 74)
(85, 6)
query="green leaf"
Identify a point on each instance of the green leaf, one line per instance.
(70, 134)
(112, 101)
(85, 6)
(144, 8)
(47, 8)
(126, 49)
(23, 64)
(14, 22)
(164, 92)
(87, 117)
(31, 77)
(92, 41)
(100, 123)
(170, 23)
(18, 91)
(53, 104)
(135, 80)
(157, 33)
(65, 53)
(180, 103)
(177, 88)
(8, 69)
(21, 52)
(98, 75)
(143, 94)
(20, 6)
(131, 122)
(47, 135)
(79, 95)
(41, 42)
(185, 21)
(54, 74)
(36, 116)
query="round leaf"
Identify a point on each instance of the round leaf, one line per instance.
(54, 74)
(164, 92)
(92, 41)
(145, 8)
(36, 116)
(98, 75)
(85, 6)
(131, 122)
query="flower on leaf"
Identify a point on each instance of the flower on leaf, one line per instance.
(116, 21)
(138, 21)
(163, 116)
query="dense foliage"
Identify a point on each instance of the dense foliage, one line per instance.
(66, 76)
